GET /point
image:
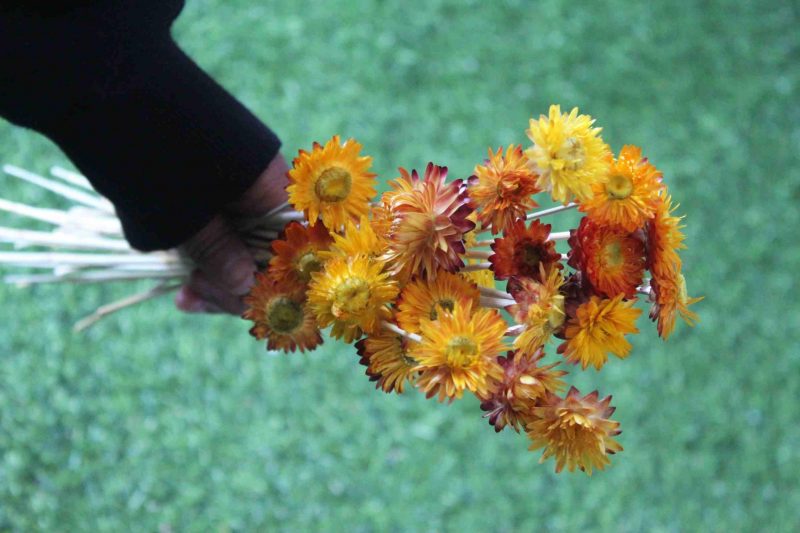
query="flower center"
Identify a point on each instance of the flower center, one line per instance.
(333, 185)
(571, 155)
(619, 187)
(350, 297)
(307, 264)
(612, 254)
(445, 303)
(461, 351)
(530, 255)
(284, 315)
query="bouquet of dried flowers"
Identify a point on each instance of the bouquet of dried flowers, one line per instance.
(456, 286)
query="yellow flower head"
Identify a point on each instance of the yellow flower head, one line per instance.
(425, 298)
(540, 307)
(459, 351)
(353, 295)
(388, 362)
(628, 198)
(356, 239)
(280, 315)
(511, 401)
(568, 154)
(576, 431)
(504, 188)
(599, 327)
(331, 183)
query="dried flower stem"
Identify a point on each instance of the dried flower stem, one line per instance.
(488, 291)
(403, 333)
(477, 254)
(82, 197)
(476, 267)
(105, 310)
(497, 303)
(551, 211)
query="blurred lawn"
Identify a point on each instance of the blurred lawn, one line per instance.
(157, 421)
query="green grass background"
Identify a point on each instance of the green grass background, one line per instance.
(157, 421)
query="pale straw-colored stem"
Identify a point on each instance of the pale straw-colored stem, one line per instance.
(487, 242)
(93, 276)
(403, 333)
(55, 259)
(476, 267)
(497, 303)
(71, 177)
(284, 217)
(513, 331)
(23, 238)
(76, 195)
(551, 211)
(43, 214)
(558, 236)
(494, 293)
(477, 254)
(113, 307)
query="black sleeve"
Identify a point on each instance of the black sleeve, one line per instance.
(155, 134)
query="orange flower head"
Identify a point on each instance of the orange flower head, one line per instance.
(504, 187)
(425, 298)
(279, 314)
(298, 254)
(539, 307)
(664, 239)
(429, 223)
(577, 431)
(331, 183)
(670, 300)
(459, 351)
(386, 356)
(510, 402)
(598, 328)
(611, 259)
(630, 194)
(522, 252)
(353, 295)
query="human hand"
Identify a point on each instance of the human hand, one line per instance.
(225, 266)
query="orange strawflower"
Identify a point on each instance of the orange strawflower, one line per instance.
(353, 295)
(670, 300)
(576, 431)
(297, 255)
(279, 314)
(629, 196)
(511, 401)
(504, 188)
(331, 183)
(459, 351)
(599, 327)
(426, 297)
(523, 252)
(429, 223)
(611, 259)
(388, 362)
(664, 238)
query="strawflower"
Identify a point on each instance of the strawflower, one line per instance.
(459, 351)
(279, 314)
(331, 183)
(504, 189)
(576, 431)
(568, 154)
(599, 328)
(352, 295)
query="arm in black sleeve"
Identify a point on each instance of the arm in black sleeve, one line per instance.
(157, 136)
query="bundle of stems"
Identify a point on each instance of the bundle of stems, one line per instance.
(84, 243)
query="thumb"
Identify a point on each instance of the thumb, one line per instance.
(222, 257)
